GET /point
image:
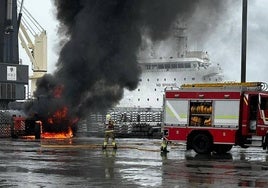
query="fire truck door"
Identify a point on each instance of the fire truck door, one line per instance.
(253, 108)
(263, 108)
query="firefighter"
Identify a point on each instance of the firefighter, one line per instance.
(164, 145)
(109, 132)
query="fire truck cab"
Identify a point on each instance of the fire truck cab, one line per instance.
(215, 117)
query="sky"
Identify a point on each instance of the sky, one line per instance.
(221, 41)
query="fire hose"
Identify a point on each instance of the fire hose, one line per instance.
(95, 146)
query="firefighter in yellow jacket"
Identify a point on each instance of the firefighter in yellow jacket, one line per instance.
(109, 132)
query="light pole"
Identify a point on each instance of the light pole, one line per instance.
(244, 41)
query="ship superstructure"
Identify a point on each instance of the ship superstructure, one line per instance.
(159, 73)
(169, 64)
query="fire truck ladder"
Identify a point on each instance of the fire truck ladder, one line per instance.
(259, 86)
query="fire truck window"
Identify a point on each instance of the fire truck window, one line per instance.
(264, 103)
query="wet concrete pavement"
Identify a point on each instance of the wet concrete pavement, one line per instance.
(80, 162)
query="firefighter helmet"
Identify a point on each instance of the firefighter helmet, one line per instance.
(108, 117)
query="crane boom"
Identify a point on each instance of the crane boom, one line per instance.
(34, 41)
(28, 46)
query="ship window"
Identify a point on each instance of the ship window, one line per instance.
(140, 80)
(148, 66)
(174, 66)
(155, 89)
(157, 99)
(148, 99)
(193, 78)
(167, 66)
(161, 66)
(187, 65)
(138, 99)
(138, 89)
(154, 66)
(180, 65)
(148, 80)
(157, 79)
(165, 79)
(175, 79)
(184, 79)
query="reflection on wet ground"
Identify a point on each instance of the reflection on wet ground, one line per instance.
(80, 162)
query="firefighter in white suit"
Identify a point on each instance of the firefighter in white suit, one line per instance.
(109, 132)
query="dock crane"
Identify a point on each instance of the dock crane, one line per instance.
(33, 39)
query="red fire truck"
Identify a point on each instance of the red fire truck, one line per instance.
(215, 117)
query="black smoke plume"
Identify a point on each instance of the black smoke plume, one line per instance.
(98, 59)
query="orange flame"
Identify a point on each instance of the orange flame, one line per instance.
(61, 135)
(58, 117)
(58, 91)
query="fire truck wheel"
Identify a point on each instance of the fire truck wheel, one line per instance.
(202, 143)
(222, 148)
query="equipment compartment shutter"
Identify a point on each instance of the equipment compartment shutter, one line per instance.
(226, 113)
(176, 112)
